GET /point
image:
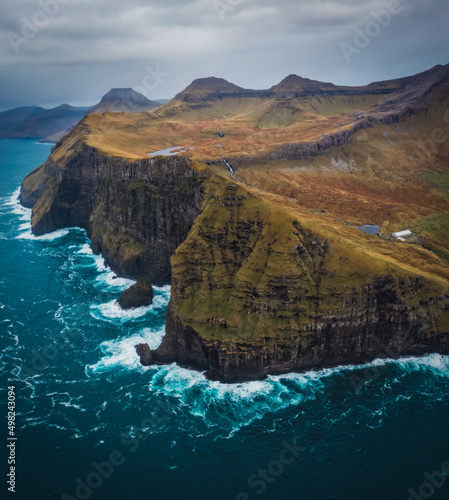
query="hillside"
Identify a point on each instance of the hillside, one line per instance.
(269, 271)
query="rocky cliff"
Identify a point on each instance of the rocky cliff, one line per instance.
(136, 213)
(260, 283)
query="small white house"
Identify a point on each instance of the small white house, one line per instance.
(403, 234)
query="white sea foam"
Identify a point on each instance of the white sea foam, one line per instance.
(86, 249)
(438, 364)
(28, 235)
(13, 205)
(237, 405)
(13, 200)
(112, 311)
(121, 353)
(105, 276)
(110, 279)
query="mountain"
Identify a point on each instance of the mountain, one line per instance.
(126, 100)
(259, 229)
(209, 88)
(14, 118)
(294, 85)
(33, 122)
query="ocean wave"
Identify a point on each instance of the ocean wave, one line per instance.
(233, 406)
(438, 364)
(85, 249)
(28, 235)
(12, 203)
(112, 311)
(238, 405)
(121, 353)
(109, 279)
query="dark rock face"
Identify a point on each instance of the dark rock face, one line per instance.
(135, 213)
(139, 295)
(144, 352)
(376, 324)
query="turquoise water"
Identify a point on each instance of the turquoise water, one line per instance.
(84, 404)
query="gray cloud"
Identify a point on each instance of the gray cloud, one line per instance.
(82, 48)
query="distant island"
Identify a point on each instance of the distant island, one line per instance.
(258, 219)
(49, 125)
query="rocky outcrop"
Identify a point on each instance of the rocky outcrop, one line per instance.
(138, 295)
(145, 355)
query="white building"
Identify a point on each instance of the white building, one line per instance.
(403, 234)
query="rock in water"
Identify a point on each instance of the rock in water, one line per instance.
(146, 356)
(140, 294)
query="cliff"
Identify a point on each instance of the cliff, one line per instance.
(135, 213)
(257, 290)
(269, 276)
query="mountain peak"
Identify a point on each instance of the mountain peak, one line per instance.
(123, 99)
(293, 84)
(209, 87)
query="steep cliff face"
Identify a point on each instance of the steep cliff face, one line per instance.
(256, 291)
(136, 213)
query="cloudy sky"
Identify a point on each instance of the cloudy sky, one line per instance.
(74, 51)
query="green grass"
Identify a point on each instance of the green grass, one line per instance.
(441, 180)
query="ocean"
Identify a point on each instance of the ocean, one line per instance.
(90, 422)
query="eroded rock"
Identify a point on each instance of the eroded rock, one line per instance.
(139, 295)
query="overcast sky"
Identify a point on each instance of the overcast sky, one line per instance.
(74, 51)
